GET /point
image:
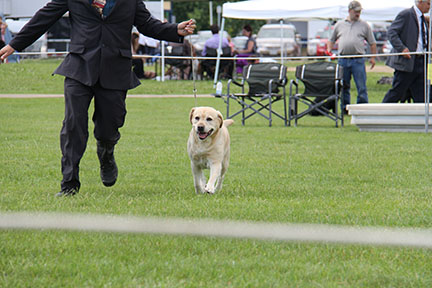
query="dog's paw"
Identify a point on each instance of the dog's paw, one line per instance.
(200, 190)
(210, 189)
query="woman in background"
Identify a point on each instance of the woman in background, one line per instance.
(249, 49)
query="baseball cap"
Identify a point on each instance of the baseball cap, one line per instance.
(355, 5)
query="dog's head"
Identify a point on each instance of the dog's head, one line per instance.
(206, 121)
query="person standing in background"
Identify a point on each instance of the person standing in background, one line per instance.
(352, 33)
(408, 33)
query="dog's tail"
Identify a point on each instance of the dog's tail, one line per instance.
(228, 122)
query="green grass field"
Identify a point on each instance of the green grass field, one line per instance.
(313, 173)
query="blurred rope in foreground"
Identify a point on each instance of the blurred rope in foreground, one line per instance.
(405, 237)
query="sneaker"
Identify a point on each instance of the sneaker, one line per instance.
(68, 192)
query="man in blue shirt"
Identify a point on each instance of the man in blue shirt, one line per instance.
(213, 42)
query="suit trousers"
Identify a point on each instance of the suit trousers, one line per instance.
(408, 81)
(109, 115)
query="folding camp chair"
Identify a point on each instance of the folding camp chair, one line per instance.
(208, 65)
(176, 67)
(264, 81)
(322, 91)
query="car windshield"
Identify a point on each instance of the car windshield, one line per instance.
(276, 33)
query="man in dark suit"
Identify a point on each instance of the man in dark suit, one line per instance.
(99, 66)
(408, 33)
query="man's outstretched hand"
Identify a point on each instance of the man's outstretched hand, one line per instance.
(5, 52)
(186, 27)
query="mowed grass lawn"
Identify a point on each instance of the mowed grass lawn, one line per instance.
(313, 173)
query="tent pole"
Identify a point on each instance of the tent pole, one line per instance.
(211, 12)
(162, 46)
(427, 83)
(281, 21)
(219, 52)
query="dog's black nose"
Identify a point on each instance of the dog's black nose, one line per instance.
(200, 128)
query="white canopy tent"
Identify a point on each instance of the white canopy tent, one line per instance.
(373, 10)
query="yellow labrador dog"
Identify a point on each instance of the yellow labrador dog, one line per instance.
(208, 147)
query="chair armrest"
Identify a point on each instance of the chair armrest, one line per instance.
(270, 82)
(241, 84)
(277, 82)
(282, 83)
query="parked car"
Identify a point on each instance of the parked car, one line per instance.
(239, 42)
(269, 40)
(203, 36)
(317, 46)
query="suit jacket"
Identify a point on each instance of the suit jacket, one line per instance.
(403, 33)
(100, 48)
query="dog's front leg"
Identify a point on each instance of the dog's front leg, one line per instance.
(198, 177)
(215, 172)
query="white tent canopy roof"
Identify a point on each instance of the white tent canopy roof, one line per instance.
(373, 10)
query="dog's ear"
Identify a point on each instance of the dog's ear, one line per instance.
(219, 115)
(191, 114)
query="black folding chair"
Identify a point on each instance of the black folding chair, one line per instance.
(176, 67)
(264, 81)
(208, 65)
(322, 93)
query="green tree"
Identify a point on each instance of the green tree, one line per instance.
(199, 10)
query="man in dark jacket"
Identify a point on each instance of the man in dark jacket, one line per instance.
(408, 33)
(99, 66)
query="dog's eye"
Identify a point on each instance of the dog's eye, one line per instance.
(197, 118)
(209, 119)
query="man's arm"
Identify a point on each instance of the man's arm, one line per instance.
(330, 45)
(395, 30)
(332, 40)
(373, 48)
(39, 24)
(154, 28)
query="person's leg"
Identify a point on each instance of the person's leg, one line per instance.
(417, 84)
(346, 96)
(359, 74)
(74, 133)
(401, 82)
(109, 116)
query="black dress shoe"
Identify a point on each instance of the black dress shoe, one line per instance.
(68, 192)
(108, 166)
